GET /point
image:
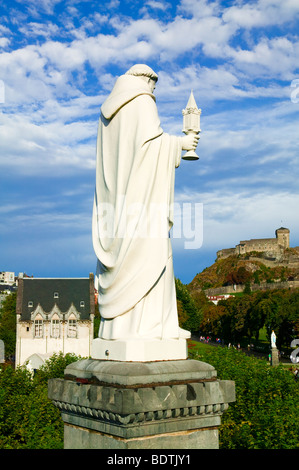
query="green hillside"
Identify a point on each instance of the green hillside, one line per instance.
(242, 269)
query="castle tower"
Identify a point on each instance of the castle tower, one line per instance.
(283, 237)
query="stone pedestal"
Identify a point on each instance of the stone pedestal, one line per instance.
(141, 405)
(274, 357)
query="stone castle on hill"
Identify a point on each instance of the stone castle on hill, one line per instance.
(271, 246)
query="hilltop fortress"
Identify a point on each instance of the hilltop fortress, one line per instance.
(270, 264)
(271, 246)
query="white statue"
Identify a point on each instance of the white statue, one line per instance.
(135, 169)
(273, 339)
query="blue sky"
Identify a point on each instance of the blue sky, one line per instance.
(58, 62)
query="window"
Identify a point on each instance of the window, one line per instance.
(55, 328)
(82, 303)
(72, 329)
(38, 328)
(30, 303)
(56, 295)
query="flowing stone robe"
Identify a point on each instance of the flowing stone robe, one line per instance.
(132, 216)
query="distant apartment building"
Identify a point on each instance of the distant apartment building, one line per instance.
(7, 278)
(7, 285)
(54, 315)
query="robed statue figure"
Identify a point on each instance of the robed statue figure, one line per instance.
(133, 213)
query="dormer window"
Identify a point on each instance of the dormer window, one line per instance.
(30, 303)
(82, 303)
(56, 295)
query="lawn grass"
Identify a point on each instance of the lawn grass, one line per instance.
(198, 346)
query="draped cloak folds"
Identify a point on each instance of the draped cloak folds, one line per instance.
(132, 215)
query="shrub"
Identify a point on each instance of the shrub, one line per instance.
(28, 419)
(265, 414)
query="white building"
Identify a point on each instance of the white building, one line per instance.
(54, 315)
(215, 298)
(7, 278)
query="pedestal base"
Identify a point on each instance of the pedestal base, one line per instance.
(141, 405)
(274, 357)
(143, 350)
(81, 438)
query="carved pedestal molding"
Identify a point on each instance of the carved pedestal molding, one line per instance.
(158, 405)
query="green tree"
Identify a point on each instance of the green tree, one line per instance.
(190, 315)
(238, 276)
(213, 322)
(8, 323)
(243, 317)
(54, 367)
(247, 288)
(28, 419)
(265, 413)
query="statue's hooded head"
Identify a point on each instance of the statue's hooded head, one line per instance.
(142, 70)
(125, 89)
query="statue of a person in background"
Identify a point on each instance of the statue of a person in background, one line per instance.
(135, 169)
(2, 351)
(273, 339)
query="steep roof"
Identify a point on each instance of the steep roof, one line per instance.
(70, 291)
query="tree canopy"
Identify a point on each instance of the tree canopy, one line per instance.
(8, 323)
(244, 316)
(265, 413)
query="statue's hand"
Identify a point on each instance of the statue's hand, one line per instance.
(190, 141)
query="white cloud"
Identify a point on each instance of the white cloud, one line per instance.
(275, 58)
(50, 148)
(239, 57)
(199, 8)
(230, 217)
(261, 13)
(49, 123)
(252, 138)
(46, 30)
(155, 5)
(36, 7)
(63, 55)
(4, 42)
(41, 76)
(46, 71)
(113, 4)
